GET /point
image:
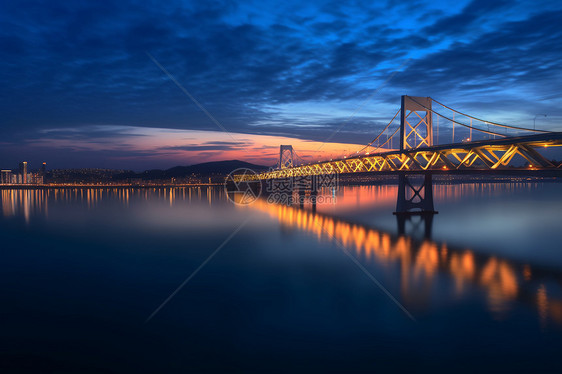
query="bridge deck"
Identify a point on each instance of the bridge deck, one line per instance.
(492, 154)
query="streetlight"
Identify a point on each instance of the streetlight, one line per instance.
(535, 120)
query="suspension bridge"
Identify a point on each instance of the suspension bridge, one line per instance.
(493, 148)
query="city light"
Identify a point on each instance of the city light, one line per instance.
(23, 175)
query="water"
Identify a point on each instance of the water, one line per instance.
(83, 269)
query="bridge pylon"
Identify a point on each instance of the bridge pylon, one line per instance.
(415, 130)
(286, 159)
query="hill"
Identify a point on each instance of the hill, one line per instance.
(203, 170)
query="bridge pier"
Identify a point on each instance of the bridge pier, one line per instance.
(412, 199)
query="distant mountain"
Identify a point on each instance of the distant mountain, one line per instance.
(207, 169)
(216, 167)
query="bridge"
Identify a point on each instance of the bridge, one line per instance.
(418, 152)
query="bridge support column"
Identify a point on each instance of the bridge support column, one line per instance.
(414, 199)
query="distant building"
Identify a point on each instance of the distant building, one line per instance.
(35, 178)
(6, 177)
(23, 172)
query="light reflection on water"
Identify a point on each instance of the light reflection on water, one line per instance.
(421, 261)
(418, 261)
(30, 202)
(35, 201)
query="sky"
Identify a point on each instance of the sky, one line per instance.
(108, 83)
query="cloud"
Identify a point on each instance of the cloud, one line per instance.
(516, 61)
(219, 146)
(67, 65)
(474, 12)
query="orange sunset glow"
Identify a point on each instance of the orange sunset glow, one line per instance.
(190, 146)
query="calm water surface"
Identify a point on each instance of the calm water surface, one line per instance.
(293, 290)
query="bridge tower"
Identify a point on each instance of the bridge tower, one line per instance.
(286, 157)
(415, 130)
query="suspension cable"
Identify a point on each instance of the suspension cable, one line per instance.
(379, 135)
(299, 157)
(383, 144)
(488, 122)
(445, 117)
(458, 123)
(387, 140)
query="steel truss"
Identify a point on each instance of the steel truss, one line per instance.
(480, 155)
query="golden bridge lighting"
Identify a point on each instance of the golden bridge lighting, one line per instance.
(494, 155)
(419, 153)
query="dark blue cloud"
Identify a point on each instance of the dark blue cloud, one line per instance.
(82, 63)
(461, 23)
(209, 146)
